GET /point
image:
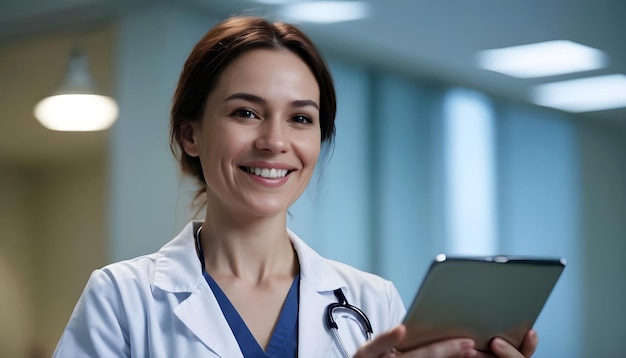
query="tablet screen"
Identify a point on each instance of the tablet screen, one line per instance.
(480, 298)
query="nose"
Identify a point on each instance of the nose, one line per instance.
(273, 136)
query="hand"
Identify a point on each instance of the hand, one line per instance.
(503, 349)
(383, 346)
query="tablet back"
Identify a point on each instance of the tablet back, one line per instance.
(480, 298)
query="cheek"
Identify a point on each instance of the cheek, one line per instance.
(221, 142)
(310, 151)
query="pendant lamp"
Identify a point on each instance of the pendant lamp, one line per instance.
(76, 105)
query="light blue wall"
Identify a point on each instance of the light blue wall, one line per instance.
(149, 201)
(469, 176)
(603, 209)
(406, 130)
(540, 213)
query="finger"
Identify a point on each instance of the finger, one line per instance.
(530, 343)
(504, 349)
(391, 354)
(382, 344)
(461, 347)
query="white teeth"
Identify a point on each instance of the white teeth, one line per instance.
(268, 173)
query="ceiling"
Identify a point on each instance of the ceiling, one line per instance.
(431, 39)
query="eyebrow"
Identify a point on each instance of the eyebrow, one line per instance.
(256, 99)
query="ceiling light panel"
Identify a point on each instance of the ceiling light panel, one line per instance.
(542, 59)
(326, 11)
(583, 95)
(276, 2)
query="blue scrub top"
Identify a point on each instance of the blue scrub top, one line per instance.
(284, 339)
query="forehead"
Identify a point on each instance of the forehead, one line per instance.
(268, 72)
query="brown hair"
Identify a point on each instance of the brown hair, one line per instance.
(216, 50)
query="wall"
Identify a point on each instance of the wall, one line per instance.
(53, 236)
(53, 192)
(17, 262)
(149, 200)
(603, 178)
(71, 239)
(540, 213)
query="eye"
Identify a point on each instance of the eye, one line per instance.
(302, 119)
(244, 113)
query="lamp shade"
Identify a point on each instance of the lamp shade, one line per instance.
(76, 105)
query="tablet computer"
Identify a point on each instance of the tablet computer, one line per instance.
(480, 298)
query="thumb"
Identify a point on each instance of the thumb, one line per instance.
(382, 344)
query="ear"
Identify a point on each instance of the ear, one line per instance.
(187, 135)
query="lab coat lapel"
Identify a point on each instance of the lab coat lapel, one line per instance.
(178, 272)
(201, 313)
(314, 336)
(318, 280)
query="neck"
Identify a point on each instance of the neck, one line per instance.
(251, 250)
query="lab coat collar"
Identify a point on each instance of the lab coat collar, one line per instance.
(178, 268)
(177, 265)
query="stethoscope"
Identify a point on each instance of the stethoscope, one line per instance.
(342, 304)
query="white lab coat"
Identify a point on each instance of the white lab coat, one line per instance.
(160, 305)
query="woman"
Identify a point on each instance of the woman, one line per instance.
(253, 107)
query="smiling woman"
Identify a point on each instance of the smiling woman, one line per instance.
(254, 105)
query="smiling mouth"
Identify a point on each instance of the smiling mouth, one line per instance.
(272, 173)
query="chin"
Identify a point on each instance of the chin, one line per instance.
(267, 210)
